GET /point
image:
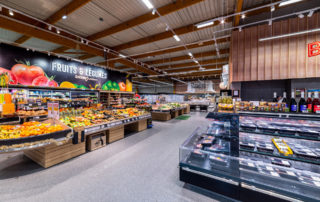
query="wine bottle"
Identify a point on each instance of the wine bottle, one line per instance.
(309, 103)
(302, 104)
(293, 103)
(275, 97)
(316, 103)
(284, 100)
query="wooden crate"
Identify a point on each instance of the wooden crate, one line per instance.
(115, 134)
(161, 116)
(180, 112)
(137, 126)
(96, 141)
(187, 110)
(174, 114)
(52, 154)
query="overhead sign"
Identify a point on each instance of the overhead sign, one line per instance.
(314, 49)
(38, 69)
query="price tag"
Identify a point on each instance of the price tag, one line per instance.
(30, 105)
(275, 174)
(291, 173)
(269, 168)
(36, 117)
(251, 164)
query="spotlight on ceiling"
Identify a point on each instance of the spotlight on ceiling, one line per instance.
(64, 17)
(11, 12)
(176, 37)
(148, 4)
(272, 8)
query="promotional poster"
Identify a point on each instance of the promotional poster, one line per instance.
(19, 66)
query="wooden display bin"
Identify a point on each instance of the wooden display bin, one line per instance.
(96, 141)
(161, 116)
(180, 112)
(174, 114)
(115, 134)
(52, 154)
(187, 110)
(137, 126)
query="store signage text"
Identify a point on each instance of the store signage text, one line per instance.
(314, 49)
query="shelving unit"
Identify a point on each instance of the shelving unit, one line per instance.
(110, 98)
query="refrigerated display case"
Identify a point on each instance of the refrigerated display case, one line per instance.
(265, 164)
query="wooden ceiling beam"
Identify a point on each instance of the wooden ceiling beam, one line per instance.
(164, 10)
(238, 10)
(193, 68)
(28, 30)
(66, 10)
(215, 72)
(181, 31)
(189, 64)
(187, 57)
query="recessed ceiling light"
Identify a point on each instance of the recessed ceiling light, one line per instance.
(272, 8)
(176, 37)
(148, 4)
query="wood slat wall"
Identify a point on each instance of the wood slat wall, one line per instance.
(284, 58)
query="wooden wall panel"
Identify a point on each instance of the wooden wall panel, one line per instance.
(234, 42)
(284, 47)
(284, 58)
(254, 53)
(247, 54)
(261, 63)
(268, 55)
(275, 51)
(241, 71)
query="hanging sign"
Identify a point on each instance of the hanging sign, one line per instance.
(314, 49)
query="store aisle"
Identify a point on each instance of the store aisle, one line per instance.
(141, 167)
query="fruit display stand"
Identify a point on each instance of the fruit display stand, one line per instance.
(110, 98)
(160, 115)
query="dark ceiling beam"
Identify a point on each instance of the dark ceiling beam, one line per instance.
(28, 30)
(66, 10)
(189, 64)
(179, 58)
(238, 10)
(182, 30)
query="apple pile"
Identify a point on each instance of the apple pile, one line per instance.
(27, 74)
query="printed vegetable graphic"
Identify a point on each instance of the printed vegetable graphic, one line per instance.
(82, 87)
(26, 73)
(12, 78)
(128, 85)
(67, 84)
(44, 81)
(105, 86)
(122, 86)
(115, 86)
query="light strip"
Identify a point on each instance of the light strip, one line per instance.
(289, 2)
(123, 56)
(289, 35)
(204, 24)
(161, 82)
(179, 80)
(148, 4)
(176, 37)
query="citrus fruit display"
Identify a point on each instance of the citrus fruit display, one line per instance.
(67, 84)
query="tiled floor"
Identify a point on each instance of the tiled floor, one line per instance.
(141, 167)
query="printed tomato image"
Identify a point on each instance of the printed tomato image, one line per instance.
(12, 78)
(44, 81)
(122, 86)
(26, 73)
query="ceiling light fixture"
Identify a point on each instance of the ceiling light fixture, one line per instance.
(240, 29)
(167, 27)
(11, 12)
(204, 24)
(176, 37)
(272, 8)
(105, 50)
(49, 27)
(243, 16)
(270, 22)
(301, 16)
(64, 17)
(222, 21)
(153, 11)
(190, 54)
(58, 31)
(82, 41)
(123, 56)
(87, 42)
(148, 4)
(289, 35)
(289, 2)
(310, 14)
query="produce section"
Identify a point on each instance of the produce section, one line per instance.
(165, 112)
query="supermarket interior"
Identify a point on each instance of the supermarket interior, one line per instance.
(159, 100)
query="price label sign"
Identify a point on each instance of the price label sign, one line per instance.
(53, 110)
